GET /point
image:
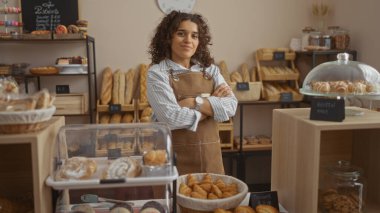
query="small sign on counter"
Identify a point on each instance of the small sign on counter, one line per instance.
(327, 109)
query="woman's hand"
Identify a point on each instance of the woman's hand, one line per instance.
(222, 90)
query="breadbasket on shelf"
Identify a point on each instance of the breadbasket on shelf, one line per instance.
(12, 122)
(196, 205)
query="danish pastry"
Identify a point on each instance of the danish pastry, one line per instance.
(77, 168)
(122, 168)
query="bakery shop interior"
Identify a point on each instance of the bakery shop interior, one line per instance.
(208, 106)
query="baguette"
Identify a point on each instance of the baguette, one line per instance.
(143, 87)
(244, 72)
(130, 86)
(253, 74)
(106, 90)
(115, 88)
(236, 77)
(224, 71)
(121, 87)
(104, 119)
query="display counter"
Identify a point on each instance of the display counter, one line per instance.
(25, 164)
(302, 146)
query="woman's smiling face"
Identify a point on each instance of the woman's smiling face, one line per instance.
(184, 43)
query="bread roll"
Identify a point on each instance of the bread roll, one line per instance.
(121, 87)
(130, 86)
(224, 71)
(104, 119)
(127, 118)
(143, 76)
(115, 118)
(244, 72)
(115, 88)
(106, 89)
(236, 77)
(155, 158)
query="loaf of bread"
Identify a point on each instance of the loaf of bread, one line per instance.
(253, 74)
(236, 77)
(115, 118)
(104, 119)
(130, 86)
(127, 118)
(49, 70)
(43, 99)
(115, 88)
(106, 89)
(224, 71)
(244, 72)
(121, 87)
(143, 86)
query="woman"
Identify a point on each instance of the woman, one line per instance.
(187, 91)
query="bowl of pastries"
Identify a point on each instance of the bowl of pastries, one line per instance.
(205, 192)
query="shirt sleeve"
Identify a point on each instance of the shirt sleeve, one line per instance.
(224, 107)
(164, 104)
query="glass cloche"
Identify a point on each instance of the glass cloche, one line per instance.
(342, 78)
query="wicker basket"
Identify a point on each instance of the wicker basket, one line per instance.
(25, 121)
(194, 205)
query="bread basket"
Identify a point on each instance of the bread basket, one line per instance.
(194, 205)
(12, 122)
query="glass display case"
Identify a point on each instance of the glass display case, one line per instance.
(342, 78)
(128, 156)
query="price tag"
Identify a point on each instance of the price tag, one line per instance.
(286, 97)
(266, 198)
(278, 56)
(242, 86)
(114, 108)
(62, 89)
(327, 109)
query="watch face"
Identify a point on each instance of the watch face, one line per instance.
(199, 100)
(181, 5)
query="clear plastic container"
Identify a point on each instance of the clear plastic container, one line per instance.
(315, 39)
(342, 189)
(327, 42)
(97, 155)
(341, 39)
(305, 37)
(342, 78)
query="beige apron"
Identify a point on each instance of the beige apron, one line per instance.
(198, 151)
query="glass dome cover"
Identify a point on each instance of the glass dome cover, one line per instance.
(342, 78)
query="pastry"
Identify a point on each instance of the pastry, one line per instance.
(82, 23)
(104, 119)
(244, 72)
(244, 209)
(321, 86)
(339, 86)
(143, 76)
(152, 207)
(61, 29)
(85, 208)
(262, 208)
(155, 158)
(216, 191)
(212, 196)
(115, 88)
(122, 208)
(130, 86)
(43, 99)
(106, 90)
(40, 32)
(122, 168)
(49, 70)
(220, 210)
(184, 189)
(357, 87)
(77, 168)
(73, 29)
(206, 178)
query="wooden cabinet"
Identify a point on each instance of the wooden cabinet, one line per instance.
(302, 146)
(25, 164)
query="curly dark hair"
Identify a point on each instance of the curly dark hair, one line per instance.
(160, 46)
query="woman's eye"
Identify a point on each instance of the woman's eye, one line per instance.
(180, 33)
(195, 36)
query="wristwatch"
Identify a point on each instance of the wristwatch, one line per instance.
(198, 102)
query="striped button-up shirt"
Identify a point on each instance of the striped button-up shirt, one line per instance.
(165, 106)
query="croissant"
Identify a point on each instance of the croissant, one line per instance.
(244, 209)
(219, 210)
(216, 191)
(220, 184)
(191, 180)
(198, 195)
(207, 178)
(184, 189)
(198, 189)
(206, 186)
(212, 196)
(262, 208)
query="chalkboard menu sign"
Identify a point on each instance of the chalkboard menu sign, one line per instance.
(47, 14)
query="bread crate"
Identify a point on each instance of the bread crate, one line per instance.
(71, 104)
(252, 94)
